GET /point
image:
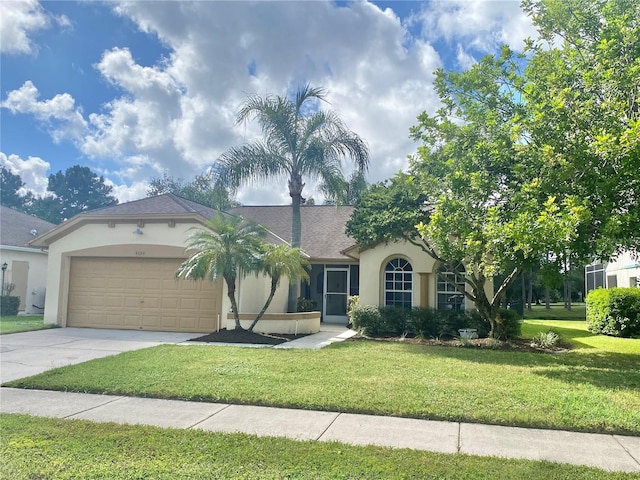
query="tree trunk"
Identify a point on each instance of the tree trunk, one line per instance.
(295, 191)
(547, 298)
(231, 293)
(274, 284)
(530, 291)
(567, 293)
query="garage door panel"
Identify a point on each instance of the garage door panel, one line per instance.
(170, 303)
(139, 294)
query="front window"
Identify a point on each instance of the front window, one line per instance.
(398, 283)
(450, 287)
(595, 276)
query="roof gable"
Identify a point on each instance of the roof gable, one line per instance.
(18, 228)
(166, 204)
(160, 208)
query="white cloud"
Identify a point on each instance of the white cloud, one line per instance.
(33, 171)
(178, 115)
(20, 20)
(63, 119)
(478, 25)
(377, 79)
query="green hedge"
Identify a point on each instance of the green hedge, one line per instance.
(614, 311)
(428, 322)
(9, 305)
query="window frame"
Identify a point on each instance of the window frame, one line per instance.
(448, 294)
(398, 283)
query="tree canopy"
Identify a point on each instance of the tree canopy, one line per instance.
(10, 185)
(76, 190)
(203, 189)
(582, 94)
(79, 189)
(530, 156)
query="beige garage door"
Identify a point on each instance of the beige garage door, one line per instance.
(140, 294)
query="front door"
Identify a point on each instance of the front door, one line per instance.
(336, 291)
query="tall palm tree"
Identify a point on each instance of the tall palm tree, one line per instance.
(298, 141)
(230, 246)
(278, 261)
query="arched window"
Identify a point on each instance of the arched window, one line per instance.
(398, 283)
(450, 287)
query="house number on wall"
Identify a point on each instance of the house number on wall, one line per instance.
(140, 253)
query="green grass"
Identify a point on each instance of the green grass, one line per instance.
(595, 387)
(22, 323)
(33, 447)
(557, 312)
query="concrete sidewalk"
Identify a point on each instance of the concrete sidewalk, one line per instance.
(607, 452)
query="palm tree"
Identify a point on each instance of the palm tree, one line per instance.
(298, 141)
(230, 246)
(278, 261)
(350, 192)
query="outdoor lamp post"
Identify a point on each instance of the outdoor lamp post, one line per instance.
(4, 269)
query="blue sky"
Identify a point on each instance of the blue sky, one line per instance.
(134, 90)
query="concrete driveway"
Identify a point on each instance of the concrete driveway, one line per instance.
(30, 353)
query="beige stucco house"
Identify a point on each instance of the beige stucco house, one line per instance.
(24, 266)
(114, 268)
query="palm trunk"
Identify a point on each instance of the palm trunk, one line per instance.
(274, 284)
(295, 191)
(231, 293)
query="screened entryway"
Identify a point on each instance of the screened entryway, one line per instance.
(330, 287)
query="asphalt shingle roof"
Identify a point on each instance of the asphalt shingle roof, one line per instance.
(323, 226)
(166, 204)
(17, 228)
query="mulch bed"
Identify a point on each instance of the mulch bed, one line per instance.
(514, 345)
(243, 336)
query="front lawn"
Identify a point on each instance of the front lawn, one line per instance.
(595, 387)
(557, 312)
(22, 323)
(34, 447)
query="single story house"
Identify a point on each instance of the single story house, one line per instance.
(23, 266)
(114, 268)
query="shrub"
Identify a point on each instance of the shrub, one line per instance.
(508, 324)
(423, 322)
(450, 321)
(306, 305)
(475, 320)
(395, 320)
(615, 311)
(9, 305)
(367, 319)
(545, 339)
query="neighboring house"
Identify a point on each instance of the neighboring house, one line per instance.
(624, 271)
(114, 268)
(26, 266)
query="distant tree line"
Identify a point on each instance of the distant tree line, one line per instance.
(76, 190)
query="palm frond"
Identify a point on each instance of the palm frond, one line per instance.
(252, 162)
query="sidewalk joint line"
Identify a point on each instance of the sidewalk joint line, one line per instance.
(94, 407)
(328, 426)
(637, 460)
(459, 443)
(209, 416)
